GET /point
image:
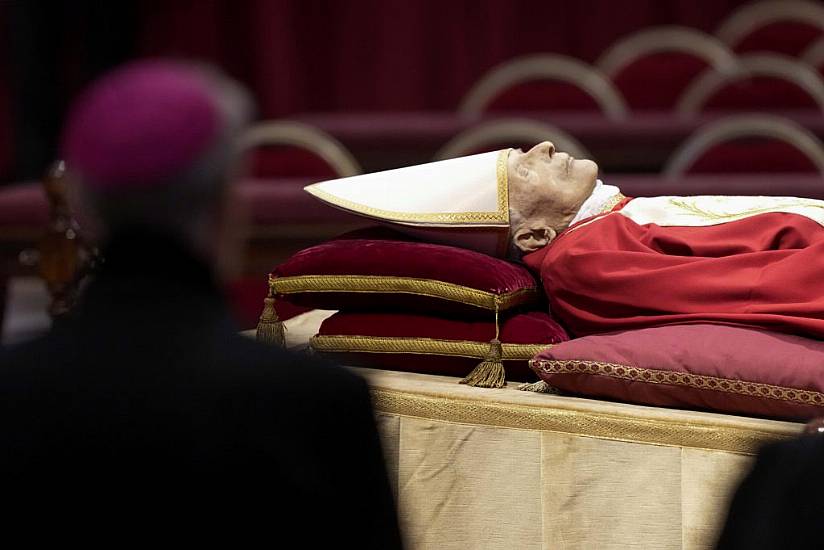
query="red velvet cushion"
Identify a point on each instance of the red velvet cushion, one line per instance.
(379, 268)
(716, 367)
(451, 346)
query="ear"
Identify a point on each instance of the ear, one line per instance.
(530, 237)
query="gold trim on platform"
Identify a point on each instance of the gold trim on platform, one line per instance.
(698, 381)
(421, 346)
(500, 218)
(731, 435)
(380, 284)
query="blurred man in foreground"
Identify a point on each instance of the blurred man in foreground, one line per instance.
(146, 415)
(778, 505)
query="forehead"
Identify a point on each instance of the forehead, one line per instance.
(516, 163)
(515, 158)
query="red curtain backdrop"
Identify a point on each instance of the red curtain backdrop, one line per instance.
(334, 55)
(393, 54)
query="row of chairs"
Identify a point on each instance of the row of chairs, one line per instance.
(671, 80)
(766, 55)
(735, 143)
(781, 26)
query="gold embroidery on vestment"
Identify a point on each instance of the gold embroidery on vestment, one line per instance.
(785, 207)
(611, 203)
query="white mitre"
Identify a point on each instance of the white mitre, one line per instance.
(460, 202)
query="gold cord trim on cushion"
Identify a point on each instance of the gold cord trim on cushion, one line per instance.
(538, 387)
(421, 346)
(270, 329)
(381, 284)
(702, 382)
(490, 372)
(500, 218)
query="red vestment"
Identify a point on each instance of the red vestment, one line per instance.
(766, 270)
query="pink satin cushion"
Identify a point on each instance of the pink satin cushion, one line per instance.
(385, 255)
(351, 332)
(714, 367)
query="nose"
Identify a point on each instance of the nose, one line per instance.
(544, 148)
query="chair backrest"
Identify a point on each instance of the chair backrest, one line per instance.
(544, 82)
(503, 133)
(284, 148)
(748, 143)
(780, 26)
(651, 68)
(814, 56)
(762, 81)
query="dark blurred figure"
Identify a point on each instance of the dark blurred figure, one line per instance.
(779, 505)
(145, 416)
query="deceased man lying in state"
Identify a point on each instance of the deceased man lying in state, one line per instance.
(608, 262)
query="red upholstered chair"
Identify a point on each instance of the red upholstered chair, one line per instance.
(779, 26)
(24, 213)
(285, 149)
(543, 82)
(503, 133)
(748, 144)
(283, 153)
(652, 67)
(814, 56)
(758, 82)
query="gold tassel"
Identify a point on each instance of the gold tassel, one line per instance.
(490, 372)
(539, 387)
(270, 329)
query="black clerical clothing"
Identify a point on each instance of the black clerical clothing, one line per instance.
(779, 504)
(146, 414)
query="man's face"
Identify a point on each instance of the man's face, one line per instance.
(546, 190)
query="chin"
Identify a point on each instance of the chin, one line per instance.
(587, 171)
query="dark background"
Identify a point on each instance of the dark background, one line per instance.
(298, 56)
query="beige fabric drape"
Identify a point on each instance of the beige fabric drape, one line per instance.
(503, 469)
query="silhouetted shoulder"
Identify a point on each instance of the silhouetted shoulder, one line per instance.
(295, 370)
(41, 352)
(778, 504)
